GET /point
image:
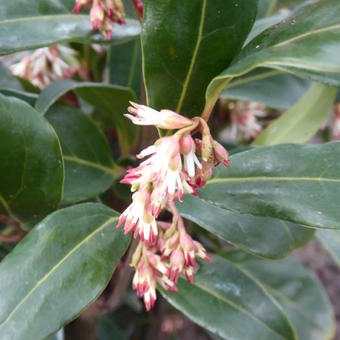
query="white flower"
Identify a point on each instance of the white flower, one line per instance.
(164, 119)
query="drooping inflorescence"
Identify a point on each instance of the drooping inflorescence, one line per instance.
(46, 64)
(104, 13)
(175, 165)
(245, 121)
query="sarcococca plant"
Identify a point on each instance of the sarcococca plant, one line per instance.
(159, 163)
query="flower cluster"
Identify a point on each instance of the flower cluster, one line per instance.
(103, 14)
(175, 165)
(245, 121)
(46, 64)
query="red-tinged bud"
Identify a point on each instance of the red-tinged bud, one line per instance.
(170, 244)
(121, 220)
(187, 245)
(108, 34)
(80, 4)
(176, 264)
(121, 21)
(221, 154)
(97, 15)
(139, 7)
(187, 145)
(201, 252)
(189, 274)
(204, 174)
(77, 8)
(167, 284)
(206, 147)
(157, 263)
(150, 298)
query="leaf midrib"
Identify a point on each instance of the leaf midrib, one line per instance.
(90, 164)
(272, 179)
(237, 307)
(254, 78)
(193, 59)
(307, 34)
(42, 17)
(56, 266)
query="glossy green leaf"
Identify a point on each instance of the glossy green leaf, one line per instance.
(31, 167)
(300, 123)
(7, 80)
(27, 97)
(307, 45)
(300, 295)
(112, 101)
(59, 268)
(89, 168)
(264, 23)
(266, 8)
(230, 303)
(125, 65)
(330, 240)
(273, 88)
(264, 236)
(29, 24)
(296, 183)
(186, 44)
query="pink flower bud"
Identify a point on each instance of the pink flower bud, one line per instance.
(97, 15)
(221, 154)
(201, 252)
(189, 274)
(187, 145)
(170, 244)
(150, 298)
(139, 7)
(204, 174)
(80, 4)
(187, 245)
(157, 263)
(176, 264)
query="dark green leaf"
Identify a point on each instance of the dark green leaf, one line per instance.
(264, 23)
(27, 97)
(60, 267)
(186, 44)
(125, 65)
(29, 24)
(7, 80)
(296, 183)
(301, 122)
(297, 291)
(264, 236)
(31, 167)
(112, 101)
(307, 44)
(271, 87)
(266, 8)
(230, 303)
(89, 168)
